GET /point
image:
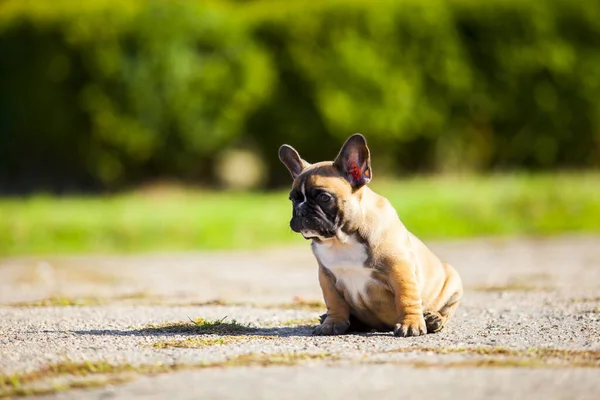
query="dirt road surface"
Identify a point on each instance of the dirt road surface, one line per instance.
(237, 325)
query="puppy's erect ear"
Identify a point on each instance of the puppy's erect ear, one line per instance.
(291, 159)
(354, 161)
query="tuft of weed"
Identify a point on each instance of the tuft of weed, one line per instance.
(64, 301)
(500, 356)
(201, 326)
(195, 343)
(278, 359)
(20, 384)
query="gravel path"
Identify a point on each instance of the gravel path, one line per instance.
(529, 327)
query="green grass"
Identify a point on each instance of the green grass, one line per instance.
(433, 208)
(21, 384)
(63, 301)
(195, 343)
(201, 326)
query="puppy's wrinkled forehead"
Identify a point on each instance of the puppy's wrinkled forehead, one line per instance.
(323, 176)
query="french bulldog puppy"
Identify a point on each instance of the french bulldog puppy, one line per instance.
(374, 274)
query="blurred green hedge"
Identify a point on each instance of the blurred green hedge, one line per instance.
(106, 94)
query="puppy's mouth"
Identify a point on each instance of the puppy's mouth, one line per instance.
(308, 234)
(312, 235)
(311, 229)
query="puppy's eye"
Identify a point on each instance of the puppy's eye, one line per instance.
(324, 198)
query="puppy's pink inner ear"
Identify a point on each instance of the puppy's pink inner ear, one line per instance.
(355, 171)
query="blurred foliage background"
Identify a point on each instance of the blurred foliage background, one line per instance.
(107, 94)
(102, 96)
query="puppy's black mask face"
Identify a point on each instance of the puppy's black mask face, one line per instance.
(315, 211)
(321, 191)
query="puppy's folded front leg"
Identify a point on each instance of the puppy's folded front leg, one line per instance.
(407, 296)
(338, 310)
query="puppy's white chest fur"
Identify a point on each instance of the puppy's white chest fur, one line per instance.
(346, 261)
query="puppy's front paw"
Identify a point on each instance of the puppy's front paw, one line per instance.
(411, 325)
(434, 321)
(331, 327)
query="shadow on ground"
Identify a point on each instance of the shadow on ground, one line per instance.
(305, 330)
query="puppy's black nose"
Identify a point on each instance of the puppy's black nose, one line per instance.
(296, 224)
(301, 212)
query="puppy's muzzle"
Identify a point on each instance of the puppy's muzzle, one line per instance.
(300, 219)
(297, 224)
(311, 227)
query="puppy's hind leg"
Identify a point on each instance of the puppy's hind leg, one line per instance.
(450, 295)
